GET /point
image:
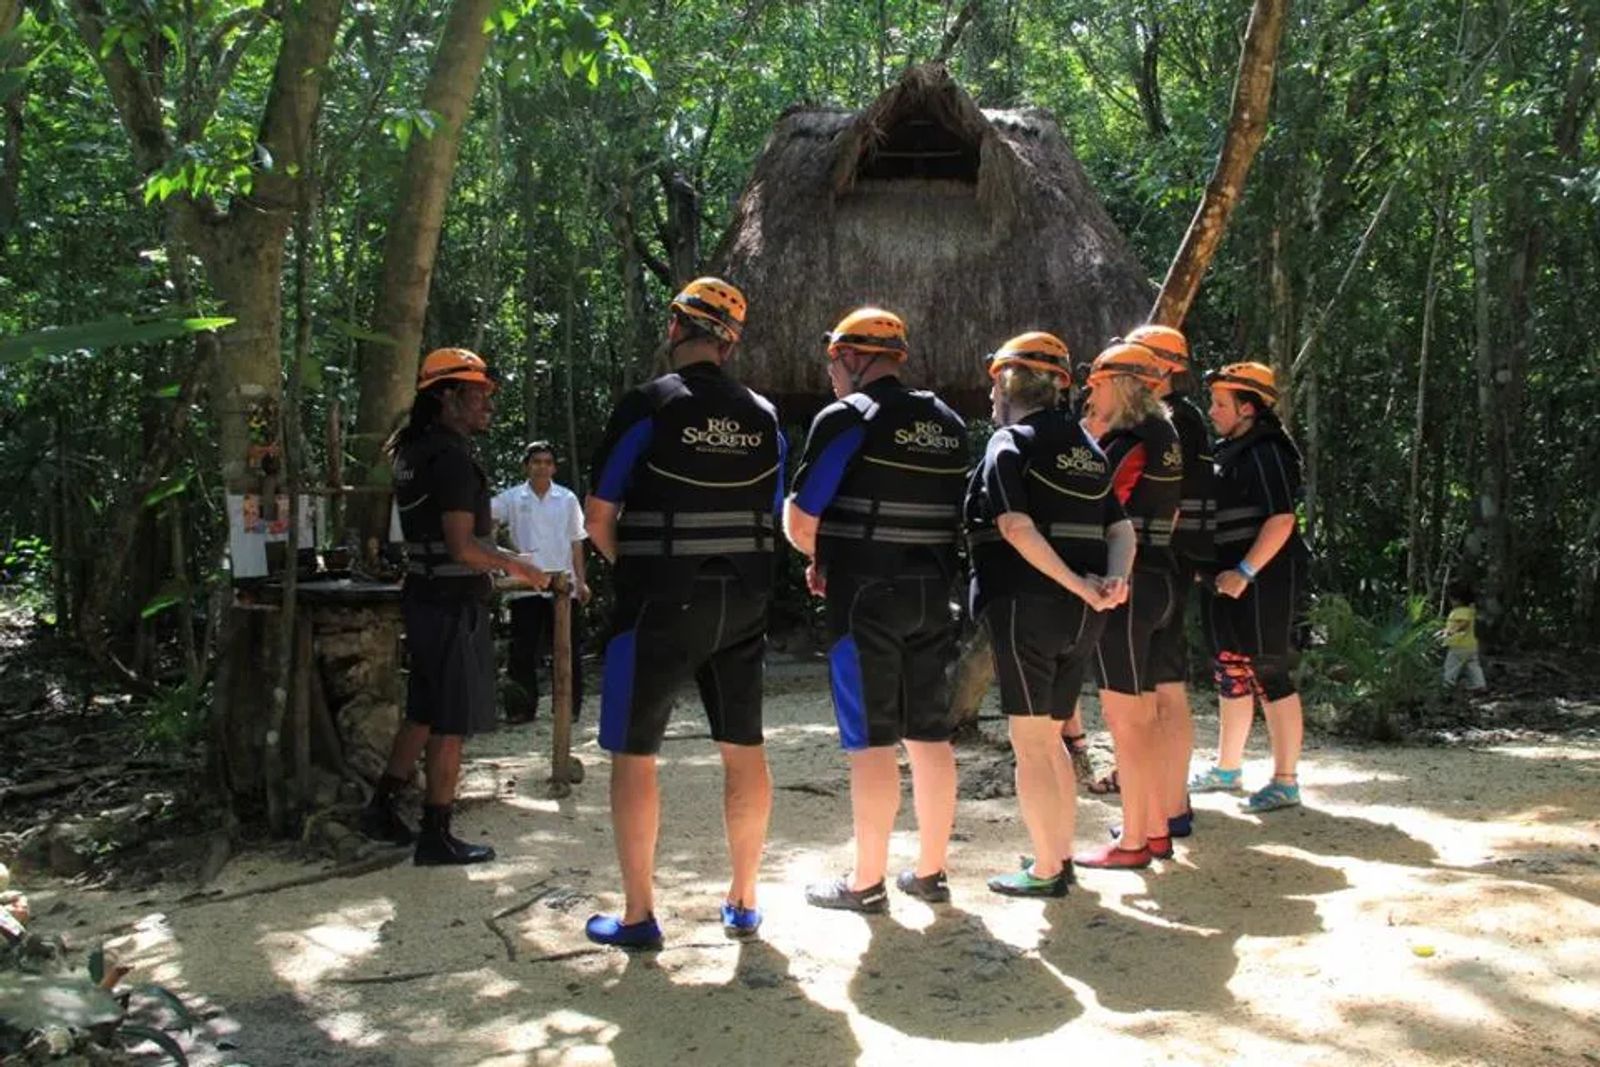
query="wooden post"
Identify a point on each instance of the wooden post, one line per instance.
(561, 761)
(304, 665)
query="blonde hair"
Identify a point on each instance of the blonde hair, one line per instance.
(1025, 387)
(1132, 401)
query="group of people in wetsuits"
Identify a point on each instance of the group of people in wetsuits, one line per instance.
(1086, 524)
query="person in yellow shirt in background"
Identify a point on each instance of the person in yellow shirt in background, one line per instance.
(1461, 640)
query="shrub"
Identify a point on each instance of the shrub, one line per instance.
(1369, 670)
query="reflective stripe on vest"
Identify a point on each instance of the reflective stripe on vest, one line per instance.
(1157, 533)
(695, 520)
(1054, 531)
(719, 546)
(895, 509)
(431, 559)
(893, 535)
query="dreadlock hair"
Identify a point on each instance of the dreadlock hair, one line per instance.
(426, 408)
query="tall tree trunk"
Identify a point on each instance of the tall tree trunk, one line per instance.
(1489, 501)
(1247, 128)
(1416, 561)
(241, 250)
(1502, 370)
(388, 371)
(532, 274)
(11, 58)
(681, 234)
(1280, 322)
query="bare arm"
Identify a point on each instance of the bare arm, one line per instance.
(800, 528)
(600, 521)
(1021, 534)
(465, 549)
(1121, 544)
(1269, 542)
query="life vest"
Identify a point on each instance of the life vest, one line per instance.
(900, 500)
(1197, 506)
(1066, 481)
(1152, 502)
(428, 562)
(1266, 451)
(704, 486)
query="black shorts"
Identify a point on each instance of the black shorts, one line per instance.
(1122, 661)
(893, 638)
(717, 638)
(1265, 620)
(1169, 645)
(450, 656)
(1042, 647)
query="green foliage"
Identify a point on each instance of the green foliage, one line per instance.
(175, 715)
(1369, 671)
(555, 257)
(107, 333)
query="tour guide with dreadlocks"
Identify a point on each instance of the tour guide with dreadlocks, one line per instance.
(443, 499)
(687, 482)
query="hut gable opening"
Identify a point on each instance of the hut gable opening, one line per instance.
(918, 145)
(924, 130)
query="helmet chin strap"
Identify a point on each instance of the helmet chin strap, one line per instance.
(856, 376)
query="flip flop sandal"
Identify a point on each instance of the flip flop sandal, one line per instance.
(1106, 786)
(1077, 746)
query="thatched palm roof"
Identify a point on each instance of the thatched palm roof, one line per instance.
(973, 225)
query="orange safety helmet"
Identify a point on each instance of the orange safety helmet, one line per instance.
(869, 329)
(1127, 360)
(715, 304)
(1168, 344)
(1036, 350)
(454, 365)
(1251, 377)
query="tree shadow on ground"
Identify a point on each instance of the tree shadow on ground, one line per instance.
(1220, 835)
(1187, 923)
(1482, 784)
(761, 1016)
(954, 981)
(280, 1031)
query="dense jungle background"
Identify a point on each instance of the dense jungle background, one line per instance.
(218, 222)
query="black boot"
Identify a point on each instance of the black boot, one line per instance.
(437, 846)
(380, 821)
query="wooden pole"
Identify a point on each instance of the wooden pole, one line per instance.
(1247, 127)
(561, 761)
(304, 665)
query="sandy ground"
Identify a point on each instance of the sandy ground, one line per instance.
(1426, 906)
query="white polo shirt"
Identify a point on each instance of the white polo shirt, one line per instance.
(546, 526)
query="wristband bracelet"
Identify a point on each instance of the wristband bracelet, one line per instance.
(1245, 569)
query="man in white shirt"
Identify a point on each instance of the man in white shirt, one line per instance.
(545, 521)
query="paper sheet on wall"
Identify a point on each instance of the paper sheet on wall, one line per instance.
(249, 531)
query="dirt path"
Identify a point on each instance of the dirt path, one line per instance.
(1428, 906)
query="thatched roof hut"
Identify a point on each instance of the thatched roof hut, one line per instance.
(973, 225)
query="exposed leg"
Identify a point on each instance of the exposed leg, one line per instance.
(746, 807)
(933, 789)
(1131, 719)
(1286, 727)
(636, 822)
(443, 768)
(874, 801)
(1177, 745)
(1047, 810)
(1236, 714)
